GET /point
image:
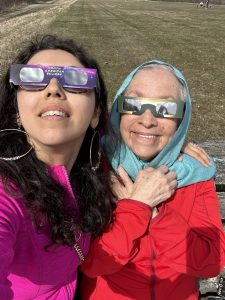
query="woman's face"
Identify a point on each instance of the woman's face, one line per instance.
(53, 118)
(145, 134)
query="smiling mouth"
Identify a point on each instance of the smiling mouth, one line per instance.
(55, 113)
(147, 136)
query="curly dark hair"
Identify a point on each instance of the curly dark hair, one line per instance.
(44, 196)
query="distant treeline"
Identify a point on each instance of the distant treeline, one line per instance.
(4, 4)
(211, 3)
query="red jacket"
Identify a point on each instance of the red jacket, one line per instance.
(162, 258)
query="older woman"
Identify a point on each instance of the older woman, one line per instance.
(157, 247)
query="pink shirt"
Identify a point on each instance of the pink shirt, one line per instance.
(27, 270)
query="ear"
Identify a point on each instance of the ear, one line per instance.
(95, 118)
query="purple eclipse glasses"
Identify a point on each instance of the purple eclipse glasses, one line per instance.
(37, 77)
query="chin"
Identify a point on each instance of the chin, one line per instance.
(52, 142)
(147, 156)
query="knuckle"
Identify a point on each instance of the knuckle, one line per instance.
(159, 173)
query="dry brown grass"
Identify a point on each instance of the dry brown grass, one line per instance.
(14, 4)
(22, 24)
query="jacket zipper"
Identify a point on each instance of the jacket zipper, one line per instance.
(76, 246)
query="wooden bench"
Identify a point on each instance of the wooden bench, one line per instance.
(215, 149)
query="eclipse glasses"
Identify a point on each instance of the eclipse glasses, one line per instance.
(163, 108)
(37, 77)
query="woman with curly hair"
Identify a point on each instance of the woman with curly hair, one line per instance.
(53, 196)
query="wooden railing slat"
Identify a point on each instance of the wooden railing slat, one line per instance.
(215, 149)
(208, 285)
(222, 205)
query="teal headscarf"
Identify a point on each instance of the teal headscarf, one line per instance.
(188, 170)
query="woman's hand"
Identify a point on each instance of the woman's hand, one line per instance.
(152, 186)
(196, 152)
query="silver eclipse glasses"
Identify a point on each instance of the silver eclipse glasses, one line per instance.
(163, 108)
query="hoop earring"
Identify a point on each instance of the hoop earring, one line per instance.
(96, 167)
(18, 156)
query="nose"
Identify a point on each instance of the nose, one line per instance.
(54, 89)
(148, 119)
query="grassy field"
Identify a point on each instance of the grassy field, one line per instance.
(121, 34)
